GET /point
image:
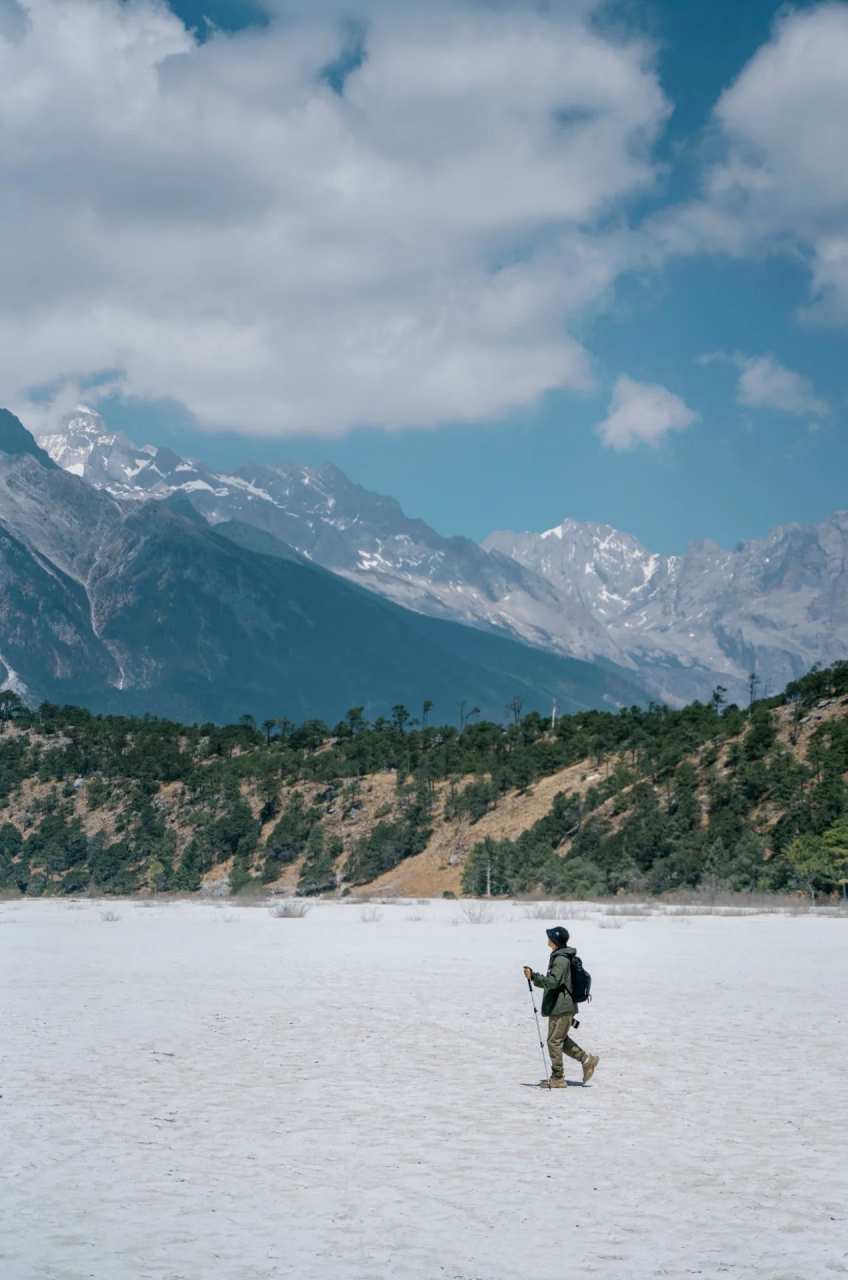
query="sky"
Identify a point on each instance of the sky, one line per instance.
(509, 261)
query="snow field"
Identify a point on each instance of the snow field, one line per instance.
(193, 1092)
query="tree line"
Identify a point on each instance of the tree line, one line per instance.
(741, 813)
(664, 816)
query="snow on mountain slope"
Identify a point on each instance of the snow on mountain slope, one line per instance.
(361, 535)
(683, 623)
(86, 447)
(773, 606)
(141, 606)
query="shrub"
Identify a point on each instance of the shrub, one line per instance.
(542, 911)
(239, 877)
(289, 910)
(476, 913)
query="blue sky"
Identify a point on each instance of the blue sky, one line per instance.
(635, 315)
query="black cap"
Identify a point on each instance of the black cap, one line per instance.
(558, 935)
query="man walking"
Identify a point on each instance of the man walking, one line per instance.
(559, 1008)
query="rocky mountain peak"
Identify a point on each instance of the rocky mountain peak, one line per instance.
(143, 606)
(85, 446)
(683, 623)
(341, 526)
(15, 439)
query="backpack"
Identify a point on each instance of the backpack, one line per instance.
(581, 982)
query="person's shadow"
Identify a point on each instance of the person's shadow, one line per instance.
(572, 1084)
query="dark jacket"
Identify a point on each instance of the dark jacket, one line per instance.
(556, 1001)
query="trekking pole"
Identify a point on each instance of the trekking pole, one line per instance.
(539, 1029)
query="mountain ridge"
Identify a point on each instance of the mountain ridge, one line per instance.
(338, 524)
(679, 624)
(142, 606)
(772, 606)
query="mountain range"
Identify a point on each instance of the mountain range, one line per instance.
(132, 606)
(677, 624)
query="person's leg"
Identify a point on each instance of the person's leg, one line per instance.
(558, 1029)
(589, 1060)
(571, 1049)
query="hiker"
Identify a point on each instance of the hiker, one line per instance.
(559, 1008)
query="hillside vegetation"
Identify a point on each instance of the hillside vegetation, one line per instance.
(646, 800)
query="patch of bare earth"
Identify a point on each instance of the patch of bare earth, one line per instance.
(439, 867)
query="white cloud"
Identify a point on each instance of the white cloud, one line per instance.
(218, 225)
(766, 384)
(782, 184)
(640, 413)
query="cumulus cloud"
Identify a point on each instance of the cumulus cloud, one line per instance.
(764, 383)
(782, 182)
(404, 239)
(640, 413)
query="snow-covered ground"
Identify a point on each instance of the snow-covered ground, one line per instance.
(195, 1092)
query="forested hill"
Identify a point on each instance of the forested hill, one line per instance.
(648, 800)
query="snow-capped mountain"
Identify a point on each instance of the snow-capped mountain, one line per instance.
(142, 606)
(361, 535)
(86, 447)
(772, 606)
(682, 624)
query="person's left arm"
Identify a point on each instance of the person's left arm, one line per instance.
(552, 979)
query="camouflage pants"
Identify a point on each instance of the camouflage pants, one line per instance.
(560, 1042)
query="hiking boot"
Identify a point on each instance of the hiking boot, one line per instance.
(589, 1067)
(555, 1082)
